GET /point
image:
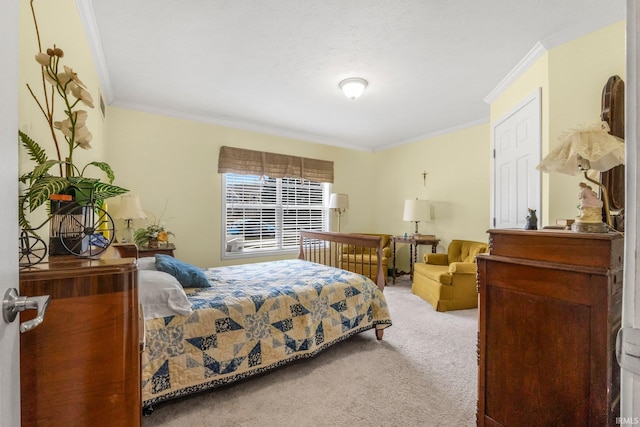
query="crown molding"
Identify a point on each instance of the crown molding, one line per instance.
(525, 63)
(425, 136)
(241, 125)
(88, 19)
(546, 44)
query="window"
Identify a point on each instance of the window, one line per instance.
(262, 214)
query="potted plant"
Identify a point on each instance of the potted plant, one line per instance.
(69, 132)
(151, 236)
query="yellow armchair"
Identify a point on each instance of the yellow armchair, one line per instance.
(448, 281)
(352, 259)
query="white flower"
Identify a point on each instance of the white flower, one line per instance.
(83, 95)
(43, 59)
(83, 137)
(73, 76)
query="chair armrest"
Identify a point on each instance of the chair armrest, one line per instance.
(436, 259)
(386, 252)
(463, 267)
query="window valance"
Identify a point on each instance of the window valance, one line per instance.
(251, 162)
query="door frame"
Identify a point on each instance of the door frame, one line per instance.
(630, 383)
(9, 335)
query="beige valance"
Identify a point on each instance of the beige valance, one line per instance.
(260, 163)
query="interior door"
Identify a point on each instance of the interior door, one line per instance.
(9, 338)
(517, 150)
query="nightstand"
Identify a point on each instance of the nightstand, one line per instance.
(166, 250)
(413, 242)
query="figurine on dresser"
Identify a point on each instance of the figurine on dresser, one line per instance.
(532, 220)
(590, 217)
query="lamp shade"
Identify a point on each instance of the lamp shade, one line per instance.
(338, 201)
(130, 208)
(593, 143)
(353, 87)
(416, 210)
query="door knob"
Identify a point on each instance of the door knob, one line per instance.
(12, 304)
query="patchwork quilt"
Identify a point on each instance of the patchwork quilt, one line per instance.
(256, 317)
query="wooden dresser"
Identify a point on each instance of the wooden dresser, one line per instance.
(81, 366)
(549, 310)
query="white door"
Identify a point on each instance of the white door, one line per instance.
(9, 339)
(517, 141)
(630, 383)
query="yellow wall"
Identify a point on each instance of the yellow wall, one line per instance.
(578, 70)
(571, 76)
(59, 23)
(172, 161)
(457, 186)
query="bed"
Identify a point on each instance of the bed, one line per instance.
(252, 317)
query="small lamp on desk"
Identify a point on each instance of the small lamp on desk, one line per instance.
(416, 210)
(129, 210)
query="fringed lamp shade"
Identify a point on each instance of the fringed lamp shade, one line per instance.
(592, 143)
(584, 149)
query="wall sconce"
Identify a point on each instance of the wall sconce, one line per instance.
(129, 210)
(353, 87)
(338, 203)
(416, 210)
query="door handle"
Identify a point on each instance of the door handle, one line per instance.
(13, 303)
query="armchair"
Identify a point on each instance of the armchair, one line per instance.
(353, 258)
(448, 281)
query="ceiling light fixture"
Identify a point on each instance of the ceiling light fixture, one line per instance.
(353, 87)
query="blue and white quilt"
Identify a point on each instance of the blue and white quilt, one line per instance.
(256, 317)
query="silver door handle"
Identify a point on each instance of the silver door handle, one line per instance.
(12, 304)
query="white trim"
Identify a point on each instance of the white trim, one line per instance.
(546, 44)
(235, 124)
(527, 61)
(629, 393)
(88, 19)
(425, 136)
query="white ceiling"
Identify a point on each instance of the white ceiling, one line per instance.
(273, 66)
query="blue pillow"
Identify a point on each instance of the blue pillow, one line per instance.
(188, 275)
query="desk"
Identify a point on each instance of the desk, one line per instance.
(413, 242)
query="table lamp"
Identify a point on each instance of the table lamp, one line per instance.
(416, 210)
(129, 210)
(582, 150)
(338, 203)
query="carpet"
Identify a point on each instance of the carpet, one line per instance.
(423, 373)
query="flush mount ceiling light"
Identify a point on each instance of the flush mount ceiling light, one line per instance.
(353, 87)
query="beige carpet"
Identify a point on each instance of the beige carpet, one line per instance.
(423, 373)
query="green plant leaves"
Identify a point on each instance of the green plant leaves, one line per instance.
(36, 153)
(104, 168)
(42, 189)
(42, 185)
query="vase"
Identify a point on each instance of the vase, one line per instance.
(152, 243)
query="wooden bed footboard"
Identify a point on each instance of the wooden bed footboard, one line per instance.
(325, 247)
